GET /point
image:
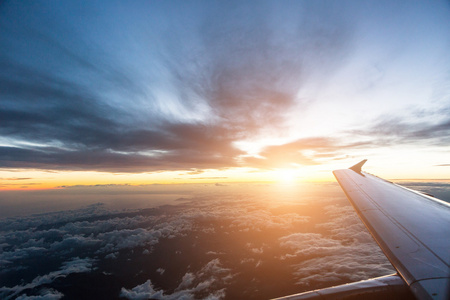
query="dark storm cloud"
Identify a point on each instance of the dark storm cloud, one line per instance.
(226, 72)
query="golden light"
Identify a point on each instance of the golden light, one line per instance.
(286, 176)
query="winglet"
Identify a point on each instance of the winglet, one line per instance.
(358, 166)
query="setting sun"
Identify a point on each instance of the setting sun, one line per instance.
(287, 176)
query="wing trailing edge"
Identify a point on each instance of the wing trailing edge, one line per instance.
(386, 287)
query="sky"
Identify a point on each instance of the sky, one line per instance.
(141, 92)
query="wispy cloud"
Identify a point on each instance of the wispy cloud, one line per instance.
(76, 265)
(226, 79)
(153, 86)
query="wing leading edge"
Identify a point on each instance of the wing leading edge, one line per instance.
(412, 229)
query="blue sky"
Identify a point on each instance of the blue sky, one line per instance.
(197, 86)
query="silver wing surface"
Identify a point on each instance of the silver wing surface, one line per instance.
(412, 229)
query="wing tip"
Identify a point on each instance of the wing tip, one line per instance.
(358, 166)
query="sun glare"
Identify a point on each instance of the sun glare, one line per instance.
(286, 176)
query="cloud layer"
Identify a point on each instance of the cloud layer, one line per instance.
(218, 245)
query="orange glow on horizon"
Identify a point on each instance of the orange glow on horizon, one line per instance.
(382, 166)
(41, 180)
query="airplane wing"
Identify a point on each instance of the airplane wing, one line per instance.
(412, 229)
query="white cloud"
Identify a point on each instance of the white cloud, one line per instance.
(113, 255)
(213, 267)
(217, 295)
(147, 291)
(204, 280)
(160, 270)
(347, 253)
(247, 260)
(310, 243)
(257, 250)
(249, 215)
(143, 291)
(75, 265)
(186, 281)
(33, 221)
(341, 267)
(214, 253)
(21, 253)
(128, 238)
(100, 226)
(71, 242)
(45, 294)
